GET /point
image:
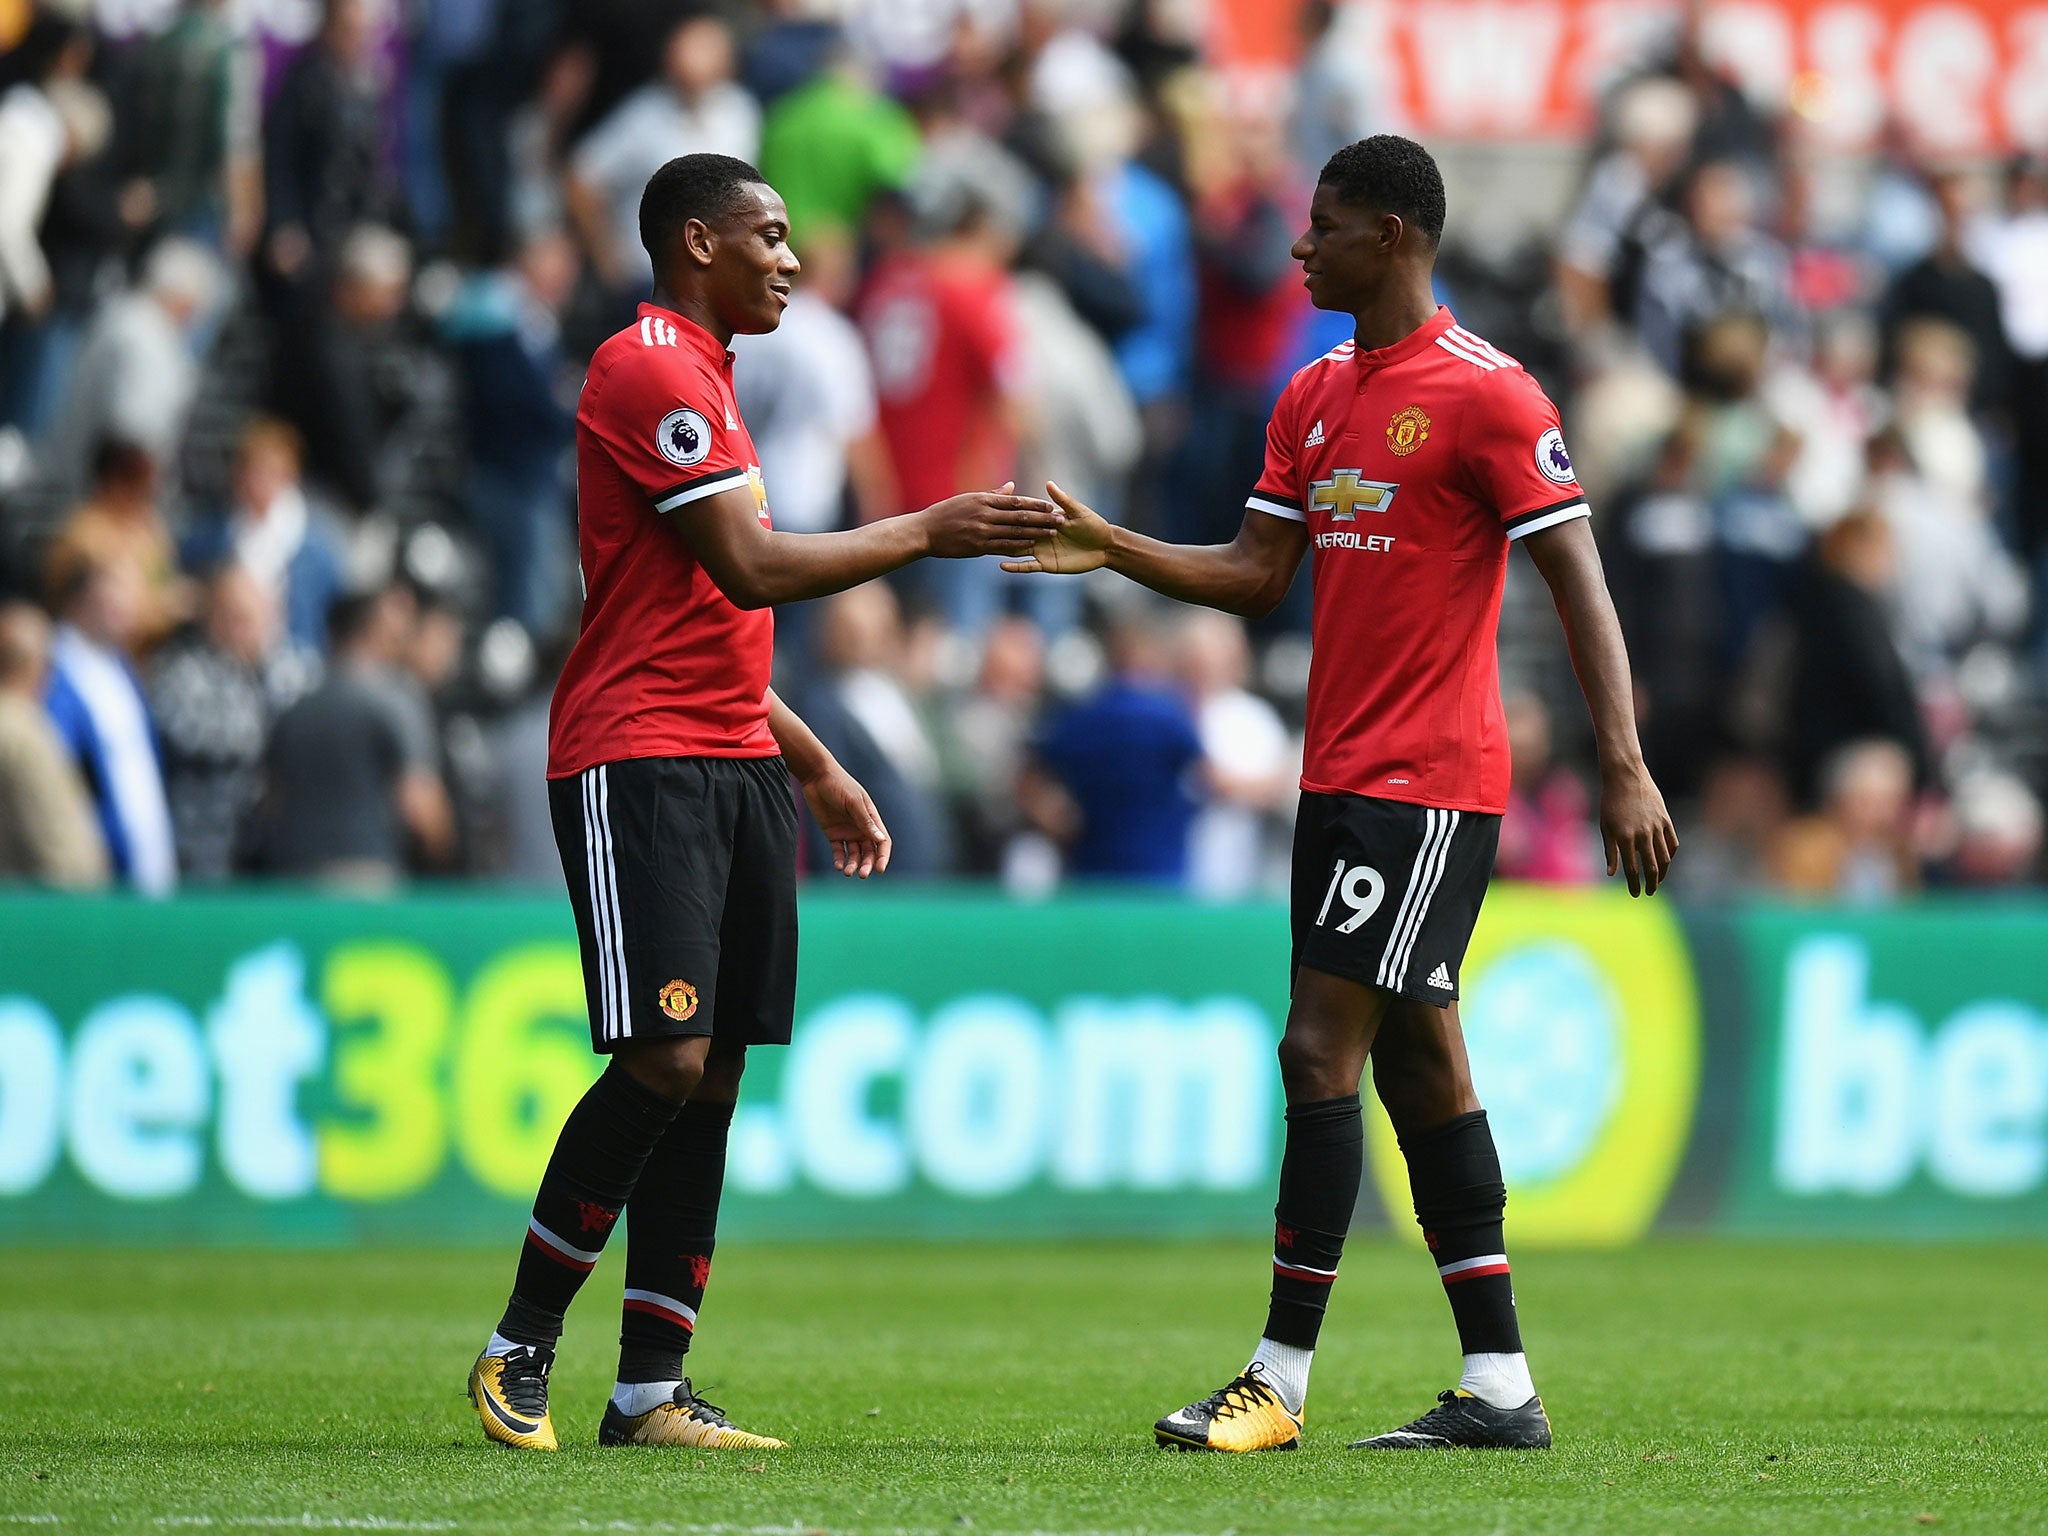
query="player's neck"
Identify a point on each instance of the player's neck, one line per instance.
(691, 309)
(1397, 312)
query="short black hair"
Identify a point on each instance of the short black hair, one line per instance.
(1394, 175)
(348, 616)
(703, 187)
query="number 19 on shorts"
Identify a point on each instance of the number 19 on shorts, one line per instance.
(1362, 889)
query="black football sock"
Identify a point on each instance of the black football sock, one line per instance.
(596, 1162)
(1454, 1173)
(1319, 1176)
(671, 1230)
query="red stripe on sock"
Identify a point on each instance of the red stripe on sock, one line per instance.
(1303, 1274)
(1474, 1274)
(558, 1256)
(634, 1304)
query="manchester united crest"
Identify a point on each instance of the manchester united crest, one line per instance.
(1408, 431)
(679, 1000)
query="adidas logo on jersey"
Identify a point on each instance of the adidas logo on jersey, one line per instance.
(1440, 978)
(1315, 435)
(655, 332)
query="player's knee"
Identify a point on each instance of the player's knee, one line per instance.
(1311, 1067)
(671, 1068)
(724, 1065)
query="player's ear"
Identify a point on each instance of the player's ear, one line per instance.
(1391, 230)
(698, 241)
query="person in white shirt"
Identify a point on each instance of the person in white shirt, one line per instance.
(1250, 762)
(695, 107)
(2013, 252)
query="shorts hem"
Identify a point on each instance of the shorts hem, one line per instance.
(1415, 992)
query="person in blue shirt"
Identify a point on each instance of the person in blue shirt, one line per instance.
(1129, 760)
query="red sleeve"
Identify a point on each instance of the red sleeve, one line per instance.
(1516, 456)
(662, 418)
(1279, 489)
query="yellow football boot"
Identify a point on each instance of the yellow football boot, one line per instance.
(685, 1420)
(1247, 1415)
(510, 1394)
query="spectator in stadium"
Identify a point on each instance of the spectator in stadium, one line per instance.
(347, 784)
(520, 408)
(86, 234)
(34, 144)
(1742, 808)
(1956, 583)
(1946, 284)
(1104, 126)
(1998, 832)
(1857, 847)
(1548, 834)
(48, 833)
(352, 382)
(1246, 213)
(1743, 454)
(537, 135)
(98, 707)
(807, 395)
(291, 544)
(1849, 683)
(191, 133)
(1083, 426)
(2013, 250)
(1126, 763)
(694, 107)
(121, 522)
(135, 375)
(940, 323)
(1622, 212)
(987, 735)
(1716, 262)
(831, 144)
(324, 164)
(1252, 764)
(212, 711)
(860, 709)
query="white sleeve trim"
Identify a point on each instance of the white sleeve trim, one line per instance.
(1276, 508)
(711, 485)
(1550, 520)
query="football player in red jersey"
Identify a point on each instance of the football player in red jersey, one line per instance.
(1408, 459)
(669, 766)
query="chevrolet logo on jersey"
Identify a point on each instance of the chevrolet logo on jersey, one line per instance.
(1344, 495)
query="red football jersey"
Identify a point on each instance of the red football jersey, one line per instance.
(946, 351)
(1414, 467)
(665, 665)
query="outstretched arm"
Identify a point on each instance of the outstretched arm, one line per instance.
(757, 567)
(844, 813)
(1634, 824)
(1248, 576)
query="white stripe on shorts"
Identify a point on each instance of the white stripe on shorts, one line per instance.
(620, 980)
(599, 925)
(1430, 823)
(1436, 875)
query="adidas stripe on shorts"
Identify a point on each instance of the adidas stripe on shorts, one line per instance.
(1386, 893)
(682, 873)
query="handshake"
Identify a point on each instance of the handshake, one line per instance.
(1060, 537)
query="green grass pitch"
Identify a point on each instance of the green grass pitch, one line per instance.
(1695, 1386)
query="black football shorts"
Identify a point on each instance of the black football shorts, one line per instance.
(1386, 893)
(682, 871)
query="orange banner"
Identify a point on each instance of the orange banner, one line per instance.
(1959, 76)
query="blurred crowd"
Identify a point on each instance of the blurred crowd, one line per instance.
(292, 328)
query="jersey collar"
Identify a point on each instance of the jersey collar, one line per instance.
(1408, 346)
(689, 333)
